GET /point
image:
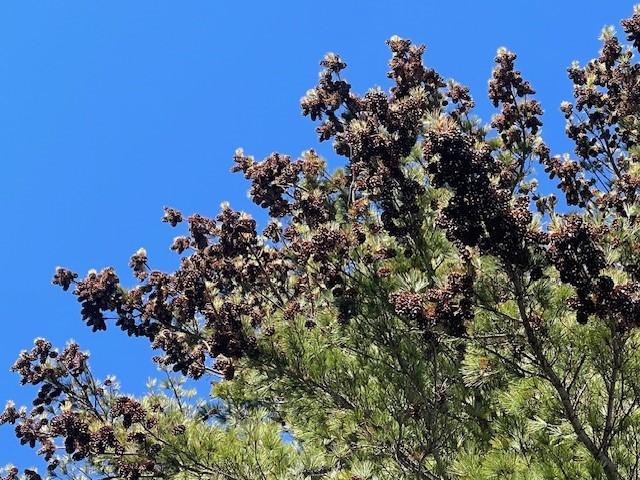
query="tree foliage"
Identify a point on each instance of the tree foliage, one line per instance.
(424, 311)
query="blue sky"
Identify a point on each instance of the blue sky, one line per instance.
(111, 110)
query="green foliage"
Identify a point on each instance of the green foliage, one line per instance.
(407, 316)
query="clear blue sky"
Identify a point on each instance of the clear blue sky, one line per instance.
(111, 110)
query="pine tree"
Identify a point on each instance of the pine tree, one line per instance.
(422, 312)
